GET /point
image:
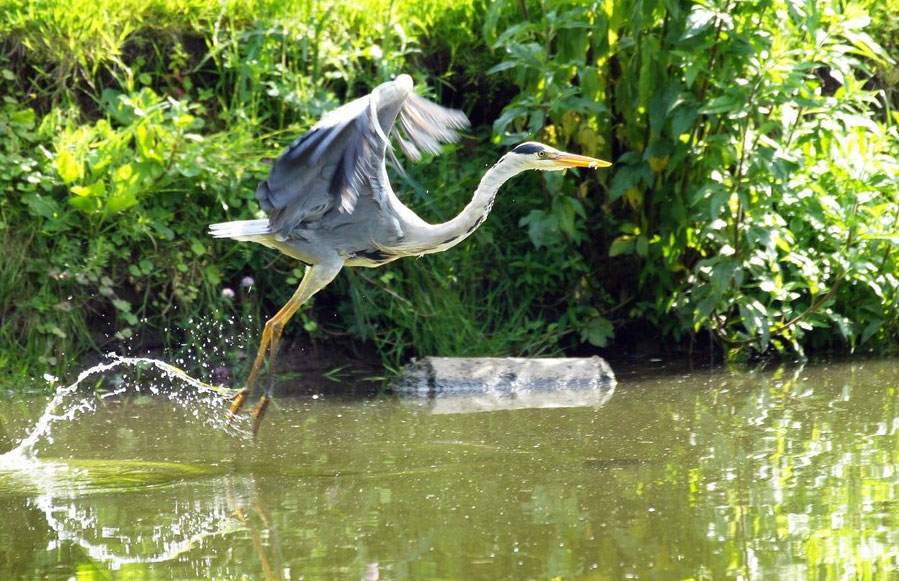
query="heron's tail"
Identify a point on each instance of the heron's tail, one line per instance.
(241, 229)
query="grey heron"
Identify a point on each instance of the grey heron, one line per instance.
(330, 204)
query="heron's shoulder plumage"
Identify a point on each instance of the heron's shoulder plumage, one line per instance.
(342, 155)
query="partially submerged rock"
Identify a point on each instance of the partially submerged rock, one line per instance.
(470, 384)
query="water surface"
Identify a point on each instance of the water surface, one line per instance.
(783, 474)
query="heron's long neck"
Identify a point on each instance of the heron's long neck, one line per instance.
(439, 237)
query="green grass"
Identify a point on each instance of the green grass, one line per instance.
(729, 218)
(136, 124)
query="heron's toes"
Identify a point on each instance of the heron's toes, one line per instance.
(259, 412)
(237, 403)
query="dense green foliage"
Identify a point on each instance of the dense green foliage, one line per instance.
(752, 206)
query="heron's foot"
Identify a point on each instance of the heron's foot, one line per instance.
(259, 412)
(241, 515)
(237, 403)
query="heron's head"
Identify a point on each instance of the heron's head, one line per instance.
(533, 155)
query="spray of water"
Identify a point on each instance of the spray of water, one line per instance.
(62, 489)
(203, 401)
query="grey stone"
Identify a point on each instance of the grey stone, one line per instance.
(470, 384)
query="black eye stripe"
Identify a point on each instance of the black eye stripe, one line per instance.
(528, 148)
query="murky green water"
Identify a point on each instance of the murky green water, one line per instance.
(790, 474)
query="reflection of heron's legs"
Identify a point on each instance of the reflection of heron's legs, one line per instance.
(275, 541)
(317, 277)
(272, 573)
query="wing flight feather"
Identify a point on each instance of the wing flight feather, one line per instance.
(329, 167)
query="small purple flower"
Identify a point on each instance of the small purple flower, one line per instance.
(247, 282)
(220, 374)
(227, 293)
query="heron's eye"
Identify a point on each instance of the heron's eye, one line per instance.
(541, 154)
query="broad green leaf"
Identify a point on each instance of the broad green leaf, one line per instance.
(94, 190)
(705, 308)
(505, 65)
(564, 210)
(68, 168)
(213, 275)
(629, 176)
(683, 119)
(623, 244)
(147, 144)
(41, 205)
(23, 118)
(119, 202)
(598, 331)
(699, 19)
(724, 104)
(87, 204)
(197, 247)
(543, 228)
(642, 246)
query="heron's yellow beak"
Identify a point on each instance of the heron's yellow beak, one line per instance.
(572, 160)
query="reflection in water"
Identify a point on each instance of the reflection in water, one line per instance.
(492, 402)
(173, 518)
(160, 535)
(805, 485)
(763, 475)
(64, 490)
(269, 558)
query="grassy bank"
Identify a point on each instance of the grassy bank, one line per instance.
(752, 209)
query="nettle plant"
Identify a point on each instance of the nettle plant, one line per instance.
(551, 53)
(754, 191)
(141, 177)
(793, 179)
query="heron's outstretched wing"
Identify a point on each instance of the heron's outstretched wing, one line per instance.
(329, 167)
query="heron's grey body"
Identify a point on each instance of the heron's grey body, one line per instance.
(329, 198)
(330, 203)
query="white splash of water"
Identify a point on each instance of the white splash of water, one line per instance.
(62, 492)
(56, 411)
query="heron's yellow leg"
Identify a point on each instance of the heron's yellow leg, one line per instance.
(274, 327)
(317, 277)
(271, 335)
(243, 394)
